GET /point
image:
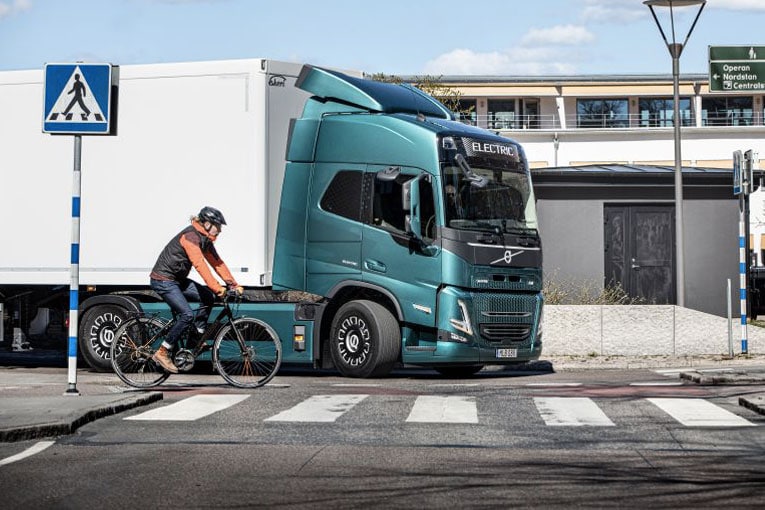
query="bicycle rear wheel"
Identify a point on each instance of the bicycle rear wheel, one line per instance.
(135, 342)
(255, 360)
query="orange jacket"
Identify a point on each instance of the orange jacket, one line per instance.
(192, 247)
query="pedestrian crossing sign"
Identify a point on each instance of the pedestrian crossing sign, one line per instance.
(78, 99)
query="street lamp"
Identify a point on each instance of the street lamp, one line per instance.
(675, 50)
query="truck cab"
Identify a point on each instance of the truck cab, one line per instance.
(416, 234)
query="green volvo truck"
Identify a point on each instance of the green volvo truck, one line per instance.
(369, 227)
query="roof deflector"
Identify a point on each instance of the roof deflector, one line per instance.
(369, 94)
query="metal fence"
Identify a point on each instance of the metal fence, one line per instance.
(608, 121)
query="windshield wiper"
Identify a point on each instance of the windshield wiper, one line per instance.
(476, 180)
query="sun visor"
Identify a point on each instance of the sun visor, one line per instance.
(370, 95)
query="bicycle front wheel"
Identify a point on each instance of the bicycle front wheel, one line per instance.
(135, 342)
(247, 352)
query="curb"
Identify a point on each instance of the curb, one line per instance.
(730, 378)
(754, 402)
(69, 424)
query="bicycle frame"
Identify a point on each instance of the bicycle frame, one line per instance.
(224, 316)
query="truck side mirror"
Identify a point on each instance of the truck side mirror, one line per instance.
(410, 201)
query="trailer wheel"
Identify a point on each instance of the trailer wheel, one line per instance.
(97, 333)
(365, 340)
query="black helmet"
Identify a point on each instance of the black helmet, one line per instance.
(212, 215)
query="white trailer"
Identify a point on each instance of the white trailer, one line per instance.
(189, 135)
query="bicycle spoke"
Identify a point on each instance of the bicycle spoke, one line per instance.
(250, 363)
(134, 344)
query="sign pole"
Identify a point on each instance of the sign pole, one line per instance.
(78, 100)
(74, 287)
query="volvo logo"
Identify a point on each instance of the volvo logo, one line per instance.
(507, 257)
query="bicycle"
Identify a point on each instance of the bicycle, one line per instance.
(246, 351)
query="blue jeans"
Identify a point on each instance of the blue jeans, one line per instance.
(178, 295)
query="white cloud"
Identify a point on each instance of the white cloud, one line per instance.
(7, 8)
(524, 61)
(737, 5)
(613, 11)
(560, 34)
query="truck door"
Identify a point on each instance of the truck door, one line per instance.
(393, 259)
(333, 250)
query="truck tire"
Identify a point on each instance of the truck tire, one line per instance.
(97, 333)
(365, 340)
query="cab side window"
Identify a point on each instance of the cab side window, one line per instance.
(387, 211)
(344, 195)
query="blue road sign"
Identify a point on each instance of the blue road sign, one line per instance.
(77, 99)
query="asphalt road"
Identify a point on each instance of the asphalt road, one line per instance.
(579, 439)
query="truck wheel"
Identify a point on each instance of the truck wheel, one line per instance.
(365, 340)
(97, 333)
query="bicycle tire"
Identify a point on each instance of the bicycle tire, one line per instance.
(134, 344)
(257, 363)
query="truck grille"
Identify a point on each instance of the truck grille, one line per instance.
(506, 318)
(515, 279)
(505, 332)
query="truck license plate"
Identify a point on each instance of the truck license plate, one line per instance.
(507, 353)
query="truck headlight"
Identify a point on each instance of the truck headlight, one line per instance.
(463, 323)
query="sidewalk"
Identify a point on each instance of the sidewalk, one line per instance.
(33, 404)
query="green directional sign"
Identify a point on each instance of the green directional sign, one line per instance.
(736, 69)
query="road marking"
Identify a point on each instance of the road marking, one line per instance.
(319, 408)
(36, 448)
(657, 383)
(190, 409)
(452, 409)
(571, 411)
(693, 412)
(553, 384)
(356, 385)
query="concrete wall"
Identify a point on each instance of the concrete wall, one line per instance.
(711, 254)
(572, 233)
(572, 239)
(642, 330)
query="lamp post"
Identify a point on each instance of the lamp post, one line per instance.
(675, 50)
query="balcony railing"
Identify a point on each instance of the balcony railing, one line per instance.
(607, 121)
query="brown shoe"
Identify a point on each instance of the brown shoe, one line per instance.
(162, 356)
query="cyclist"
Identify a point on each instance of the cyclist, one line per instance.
(192, 246)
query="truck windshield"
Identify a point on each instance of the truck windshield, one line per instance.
(505, 202)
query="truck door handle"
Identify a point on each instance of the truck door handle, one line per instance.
(375, 265)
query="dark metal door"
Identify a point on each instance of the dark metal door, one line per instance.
(639, 251)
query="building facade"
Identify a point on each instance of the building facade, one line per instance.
(602, 153)
(581, 120)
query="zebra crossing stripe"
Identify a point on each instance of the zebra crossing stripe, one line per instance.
(452, 409)
(190, 409)
(319, 408)
(571, 411)
(693, 412)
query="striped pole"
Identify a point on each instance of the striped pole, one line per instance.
(74, 286)
(742, 277)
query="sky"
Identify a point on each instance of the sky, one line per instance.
(401, 37)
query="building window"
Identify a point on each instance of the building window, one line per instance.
(602, 113)
(727, 111)
(501, 114)
(466, 111)
(660, 111)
